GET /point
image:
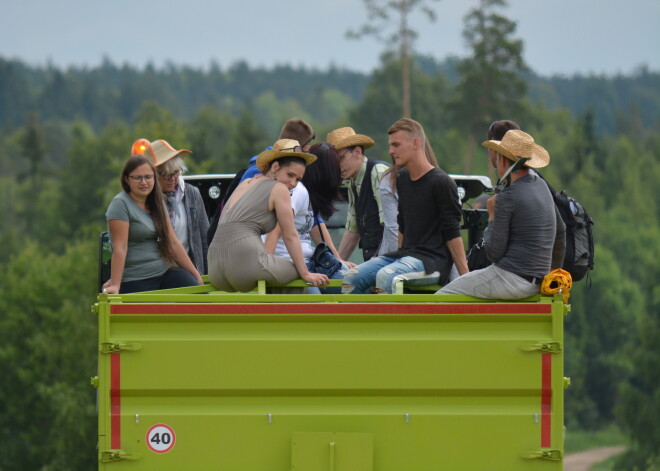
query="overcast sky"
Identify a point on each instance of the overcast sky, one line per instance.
(561, 36)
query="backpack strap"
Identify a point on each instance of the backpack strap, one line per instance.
(505, 181)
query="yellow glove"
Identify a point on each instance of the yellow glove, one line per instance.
(557, 280)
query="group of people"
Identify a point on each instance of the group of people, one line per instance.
(405, 216)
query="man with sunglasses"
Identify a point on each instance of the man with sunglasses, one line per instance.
(364, 224)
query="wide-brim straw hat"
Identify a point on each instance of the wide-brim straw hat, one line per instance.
(346, 137)
(161, 151)
(516, 144)
(283, 148)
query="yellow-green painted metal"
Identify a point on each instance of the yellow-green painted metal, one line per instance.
(329, 382)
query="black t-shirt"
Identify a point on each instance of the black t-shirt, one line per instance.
(429, 216)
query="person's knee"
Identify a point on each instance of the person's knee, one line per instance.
(350, 277)
(384, 277)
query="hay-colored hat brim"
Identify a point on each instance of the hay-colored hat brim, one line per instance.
(345, 137)
(539, 157)
(355, 140)
(161, 151)
(267, 156)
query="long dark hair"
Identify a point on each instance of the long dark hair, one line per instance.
(154, 203)
(322, 179)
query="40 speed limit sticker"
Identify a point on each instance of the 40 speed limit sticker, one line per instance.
(161, 438)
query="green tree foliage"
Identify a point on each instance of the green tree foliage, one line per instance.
(208, 134)
(379, 14)
(77, 147)
(381, 106)
(640, 405)
(491, 86)
(47, 343)
(89, 176)
(247, 140)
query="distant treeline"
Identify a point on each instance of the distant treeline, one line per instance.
(109, 91)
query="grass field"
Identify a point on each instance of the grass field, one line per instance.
(578, 440)
(607, 465)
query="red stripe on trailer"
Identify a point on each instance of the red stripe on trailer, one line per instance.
(115, 401)
(374, 308)
(546, 399)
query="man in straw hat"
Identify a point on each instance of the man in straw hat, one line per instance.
(185, 205)
(429, 221)
(364, 224)
(525, 234)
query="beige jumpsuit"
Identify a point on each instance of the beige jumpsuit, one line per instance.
(237, 258)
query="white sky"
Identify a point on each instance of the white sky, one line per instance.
(561, 36)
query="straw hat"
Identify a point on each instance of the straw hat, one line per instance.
(283, 148)
(160, 152)
(516, 144)
(346, 137)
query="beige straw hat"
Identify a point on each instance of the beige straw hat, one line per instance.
(346, 137)
(516, 144)
(160, 152)
(283, 148)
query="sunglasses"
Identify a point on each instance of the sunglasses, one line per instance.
(292, 149)
(309, 141)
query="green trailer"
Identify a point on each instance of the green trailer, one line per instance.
(277, 382)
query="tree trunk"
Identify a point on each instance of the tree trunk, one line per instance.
(405, 60)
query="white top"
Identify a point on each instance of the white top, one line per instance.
(303, 218)
(180, 218)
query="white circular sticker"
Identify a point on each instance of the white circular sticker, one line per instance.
(160, 438)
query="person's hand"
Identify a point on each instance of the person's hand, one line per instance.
(110, 288)
(199, 279)
(348, 264)
(315, 279)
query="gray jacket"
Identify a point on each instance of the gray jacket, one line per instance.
(198, 226)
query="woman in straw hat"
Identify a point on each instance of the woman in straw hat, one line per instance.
(525, 235)
(184, 202)
(145, 248)
(237, 258)
(313, 202)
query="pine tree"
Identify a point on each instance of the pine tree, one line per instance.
(491, 86)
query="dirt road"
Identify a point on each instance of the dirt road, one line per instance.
(584, 460)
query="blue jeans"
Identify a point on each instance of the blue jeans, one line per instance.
(384, 272)
(338, 275)
(172, 278)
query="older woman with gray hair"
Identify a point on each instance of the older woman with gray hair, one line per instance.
(183, 201)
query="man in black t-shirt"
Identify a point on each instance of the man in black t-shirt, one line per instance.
(429, 222)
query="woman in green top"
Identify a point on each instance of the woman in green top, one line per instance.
(145, 248)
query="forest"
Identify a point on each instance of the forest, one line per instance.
(65, 134)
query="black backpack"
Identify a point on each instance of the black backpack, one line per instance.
(579, 257)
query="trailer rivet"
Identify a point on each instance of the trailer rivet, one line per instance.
(270, 418)
(407, 418)
(137, 418)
